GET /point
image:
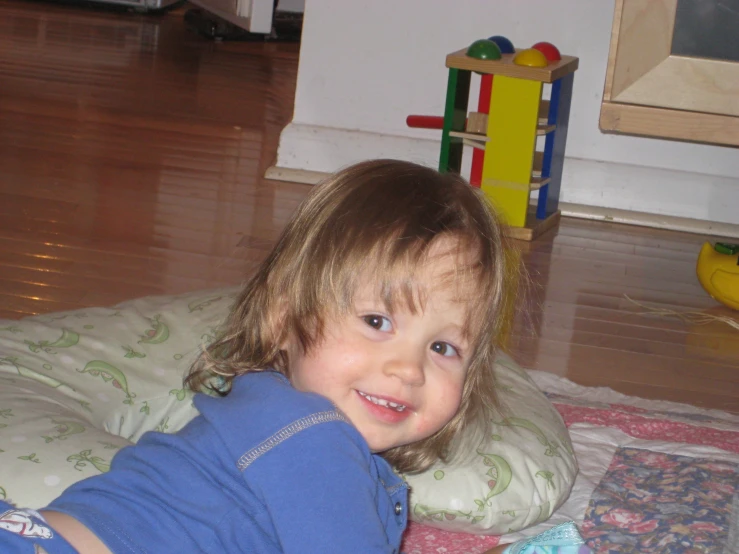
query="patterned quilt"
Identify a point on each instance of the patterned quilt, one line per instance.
(655, 477)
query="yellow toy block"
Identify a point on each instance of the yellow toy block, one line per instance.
(509, 198)
(509, 151)
(512, 127)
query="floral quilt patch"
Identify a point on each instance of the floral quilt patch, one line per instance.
(651, 502)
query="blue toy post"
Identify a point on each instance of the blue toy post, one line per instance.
(554, 148)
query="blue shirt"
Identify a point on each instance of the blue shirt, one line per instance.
(265, 469)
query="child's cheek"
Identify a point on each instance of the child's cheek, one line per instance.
(428, 424)
(448, 404)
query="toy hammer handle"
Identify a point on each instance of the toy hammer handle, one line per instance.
(425, 121)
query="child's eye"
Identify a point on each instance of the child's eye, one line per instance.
(379, 322)
(445, 349)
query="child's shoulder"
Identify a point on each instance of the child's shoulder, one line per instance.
(270, 393)
(265, 393)
(264, 405)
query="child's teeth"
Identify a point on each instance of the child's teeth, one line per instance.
(385, 403)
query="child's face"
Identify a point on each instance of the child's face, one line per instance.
(397, 376)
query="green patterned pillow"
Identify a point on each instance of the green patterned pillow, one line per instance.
(77, 386)
(46, 444)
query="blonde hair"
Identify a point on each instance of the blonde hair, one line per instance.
(382, 216)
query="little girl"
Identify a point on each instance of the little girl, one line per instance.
(364, 344)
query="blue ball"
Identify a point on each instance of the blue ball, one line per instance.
(505, 45)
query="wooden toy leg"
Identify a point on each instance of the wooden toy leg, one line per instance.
(455, 115)
(554, 150)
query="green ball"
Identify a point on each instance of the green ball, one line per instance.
(484, 49)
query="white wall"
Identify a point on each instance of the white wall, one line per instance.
(366, 64)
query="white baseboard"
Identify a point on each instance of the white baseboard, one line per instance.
(591, 189)
(644, 219)
(295, 175)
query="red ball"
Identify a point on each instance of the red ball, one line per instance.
(551, 53)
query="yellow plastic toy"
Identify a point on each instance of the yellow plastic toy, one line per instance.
(718, 272)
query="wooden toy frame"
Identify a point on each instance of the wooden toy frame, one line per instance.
(511, 167)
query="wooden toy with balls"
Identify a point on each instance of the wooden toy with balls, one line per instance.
(503, 131)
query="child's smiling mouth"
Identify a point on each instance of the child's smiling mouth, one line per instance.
(382, 402)
(386, 410)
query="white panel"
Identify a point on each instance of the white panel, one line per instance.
(253, 15)
(243, 8)
(259, 13)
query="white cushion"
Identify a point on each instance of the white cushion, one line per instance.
(77, 386)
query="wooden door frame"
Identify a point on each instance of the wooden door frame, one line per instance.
(649, 91)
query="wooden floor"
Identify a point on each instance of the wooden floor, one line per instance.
(131, 163)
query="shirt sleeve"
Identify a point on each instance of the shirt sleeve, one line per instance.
(317, 484)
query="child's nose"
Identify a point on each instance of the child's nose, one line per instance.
(408, 369)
